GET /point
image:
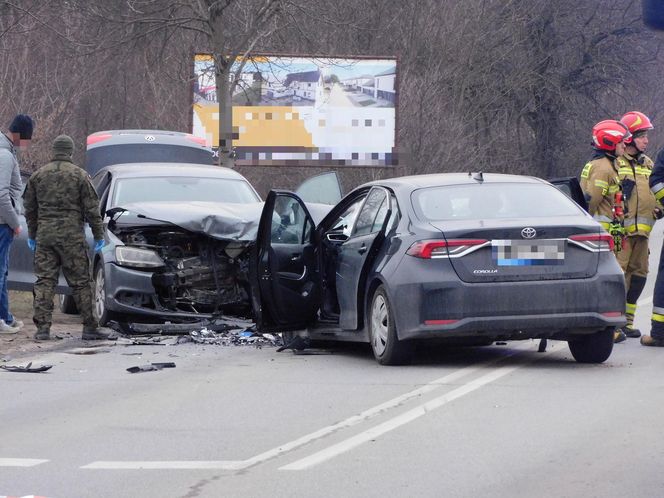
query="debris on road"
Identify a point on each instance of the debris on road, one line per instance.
(92, 350)
(151, 367)
(27, 368)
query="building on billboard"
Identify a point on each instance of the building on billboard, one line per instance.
(305, 111)
(304, 85)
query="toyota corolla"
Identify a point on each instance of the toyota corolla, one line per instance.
(457, 257)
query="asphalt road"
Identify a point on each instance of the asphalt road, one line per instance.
(501, 421)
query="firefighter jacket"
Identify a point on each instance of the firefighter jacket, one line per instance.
(600, 183)
(634, 172)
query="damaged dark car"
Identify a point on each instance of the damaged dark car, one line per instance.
(178, 238)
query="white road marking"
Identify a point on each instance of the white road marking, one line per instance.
(399, 420)
(644, 301)
(20, 462)
(168, 465)
(304, 440)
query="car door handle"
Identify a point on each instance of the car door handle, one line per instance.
(296, 256)
(362, 249)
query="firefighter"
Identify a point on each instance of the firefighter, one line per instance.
(600, 182)
(656, 337)
(634, 169)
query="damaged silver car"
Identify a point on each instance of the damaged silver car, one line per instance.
(179, 238)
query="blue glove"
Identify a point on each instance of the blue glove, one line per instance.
(32, 244)
(99, 244)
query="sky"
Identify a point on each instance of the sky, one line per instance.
(279, 67)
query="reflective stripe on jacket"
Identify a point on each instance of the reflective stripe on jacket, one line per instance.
(639, 200)
(600, 182)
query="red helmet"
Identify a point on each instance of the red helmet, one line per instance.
(608, 133)
(636, 121)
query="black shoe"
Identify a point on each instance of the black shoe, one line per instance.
(42, 335)
(630, 332)
(94, 334)
(619, 336)
(648, 340)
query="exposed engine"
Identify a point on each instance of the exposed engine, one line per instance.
(202, 274)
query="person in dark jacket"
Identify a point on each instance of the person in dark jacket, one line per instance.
(656, 337)
(58, 200)
(20, 133)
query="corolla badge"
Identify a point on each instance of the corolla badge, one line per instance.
(484, 272)
(528, 233)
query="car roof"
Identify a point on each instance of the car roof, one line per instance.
(440, 179)
(149, 169)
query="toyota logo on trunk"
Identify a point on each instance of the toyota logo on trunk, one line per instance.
(528, 233)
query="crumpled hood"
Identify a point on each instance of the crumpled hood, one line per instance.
(223, 221)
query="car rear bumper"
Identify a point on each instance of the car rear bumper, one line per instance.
(428, 306)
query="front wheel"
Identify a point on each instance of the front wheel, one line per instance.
(67, 304)
(99, 310)
(592, 348)
(387, 348)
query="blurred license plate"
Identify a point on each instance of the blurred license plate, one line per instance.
(528, 252)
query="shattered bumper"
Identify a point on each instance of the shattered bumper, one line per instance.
(131, 292)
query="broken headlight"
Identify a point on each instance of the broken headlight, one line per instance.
(137, 258)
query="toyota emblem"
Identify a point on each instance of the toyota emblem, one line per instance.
(149, 138)
(528, 233)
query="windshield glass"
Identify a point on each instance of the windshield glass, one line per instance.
(492, 201)
(182, 189)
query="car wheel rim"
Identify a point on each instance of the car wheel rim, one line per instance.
(380, 322)
(100, 294)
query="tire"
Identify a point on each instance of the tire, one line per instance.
(67, 304)
(99, 310)
(592, 348)
(387, 348)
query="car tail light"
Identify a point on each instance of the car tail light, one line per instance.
(430, 249)
(94, 138)
(194, 138)
(594, 242)
(612, 314)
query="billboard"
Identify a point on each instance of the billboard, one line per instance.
(304, 110)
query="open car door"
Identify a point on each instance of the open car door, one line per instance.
(572, 188)
(286, 289)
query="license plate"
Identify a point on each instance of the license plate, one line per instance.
(528, 252)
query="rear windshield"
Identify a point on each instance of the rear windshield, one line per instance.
(492, 201)
(100, 156)
(182, 189)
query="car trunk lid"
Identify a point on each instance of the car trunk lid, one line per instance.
(522, 249)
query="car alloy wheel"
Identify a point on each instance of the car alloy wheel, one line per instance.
(100, 296)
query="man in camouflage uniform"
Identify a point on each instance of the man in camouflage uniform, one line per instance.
(58, 199)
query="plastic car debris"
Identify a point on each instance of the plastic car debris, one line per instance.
(27, 368)
(542, 346)
(88, 350)
(151, 366)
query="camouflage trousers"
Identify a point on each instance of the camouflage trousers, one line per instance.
(70, 255)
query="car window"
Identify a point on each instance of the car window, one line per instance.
(182, 189)
(492, 201)
(322, 189)
(374, 207)
(344, 223)
(290, 224)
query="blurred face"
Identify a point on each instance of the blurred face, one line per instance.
(620, 148)
(641, 142)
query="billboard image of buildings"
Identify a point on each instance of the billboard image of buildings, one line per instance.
(304, 110)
